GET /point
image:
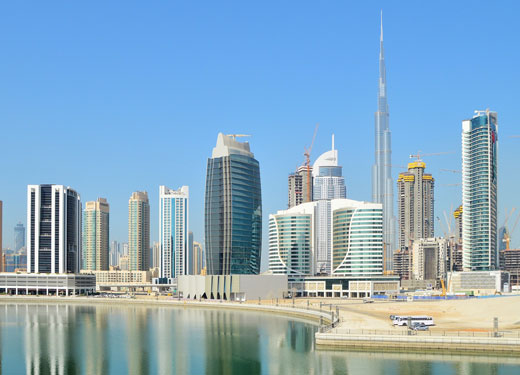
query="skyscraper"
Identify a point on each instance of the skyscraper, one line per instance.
(156, 255)
(198, 258)
(328, 184)
(479, 191)
(300, 186)
(53, 229)
(415, 205)
(114, 253)
(96, 235)
(382, 183)
(139, 231)
(19, 236)
(233, 209)
(173, 231)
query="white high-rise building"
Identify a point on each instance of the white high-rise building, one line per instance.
(53, 229)
(173, 231)
(479, 192)
(328, 184)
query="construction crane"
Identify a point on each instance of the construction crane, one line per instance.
(234, 136)
(419, 154)
(514, 136)
(507, 234)
(307, 155)
(450, 170)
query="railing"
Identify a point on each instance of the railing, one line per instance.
(432, 333)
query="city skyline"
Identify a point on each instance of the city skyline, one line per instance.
(343, 106)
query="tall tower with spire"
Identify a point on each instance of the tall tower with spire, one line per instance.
(382, 183)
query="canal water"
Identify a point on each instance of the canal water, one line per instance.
(127, 339)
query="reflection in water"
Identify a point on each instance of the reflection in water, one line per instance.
(115, 339)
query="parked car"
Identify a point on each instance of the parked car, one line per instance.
(419, 327)
(368, 300)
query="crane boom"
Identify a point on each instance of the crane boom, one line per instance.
(419, 154)
(307, 155)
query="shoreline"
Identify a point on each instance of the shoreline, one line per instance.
(311, 315)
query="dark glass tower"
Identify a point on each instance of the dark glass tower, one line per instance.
(233, 209)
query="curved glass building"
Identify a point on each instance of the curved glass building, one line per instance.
(357, 238)
(233, 209)
(479, 192)
(291, 241)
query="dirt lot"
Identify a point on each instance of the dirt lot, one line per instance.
(456, 315)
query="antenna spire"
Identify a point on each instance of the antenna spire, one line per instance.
(381, 24)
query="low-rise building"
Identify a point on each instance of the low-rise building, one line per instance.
(233, 287)
(478, 282)
(345, 286)
(49, 284)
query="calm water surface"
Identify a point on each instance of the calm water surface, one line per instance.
(118, 339)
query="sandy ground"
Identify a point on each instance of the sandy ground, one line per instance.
(453, 315)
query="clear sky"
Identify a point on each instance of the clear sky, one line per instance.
(113, 97)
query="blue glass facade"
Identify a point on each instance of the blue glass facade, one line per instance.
(233, 215)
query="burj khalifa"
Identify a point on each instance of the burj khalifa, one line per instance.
(382, 183)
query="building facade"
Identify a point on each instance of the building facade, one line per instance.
(415, 204)
(430, 259)
(198, 258)
(382, 182)
(95, 252)
(300, 186)
(357, 238)
(139, 231)
(173, 231)
(19, 236)
(233, 209)
(292, 241)
(53, 229)
(329, 184)
(479, 191)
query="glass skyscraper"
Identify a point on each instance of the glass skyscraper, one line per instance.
(19, 236)
(233, 209)
(139, 231)
(479, 192)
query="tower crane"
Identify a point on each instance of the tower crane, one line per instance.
(419, 154)
(451, 170)
(307, 155)
(507, 234)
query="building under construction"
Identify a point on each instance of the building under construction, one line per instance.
(510, 262)
(300, 188)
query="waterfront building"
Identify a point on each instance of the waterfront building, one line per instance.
(53, 229)
(292, 241)
(382, 182)
(19, 236)
(233, 287)
(357, 238)
(328, 184)
(15, 262)
(479, 191)
(96, 235)
(173, 231)
(415, 204)
(198, 258)
(114, 253)
(233, 209)
(429, 259)
(347, 286)
(300, 186)
(49, 284)
(139, 231)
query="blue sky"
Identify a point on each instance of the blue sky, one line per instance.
(110, 98)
